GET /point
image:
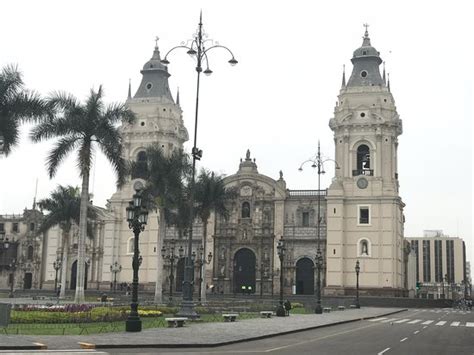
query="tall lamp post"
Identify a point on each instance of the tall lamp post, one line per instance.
(196, 48)
(357, 270)
(12, 267)
(200, 260)
(280, 311)
(169, 254)
(318, 162)
(115, 268)
(57, 266)
(137, 216)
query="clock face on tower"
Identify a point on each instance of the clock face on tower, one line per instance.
(362, 183)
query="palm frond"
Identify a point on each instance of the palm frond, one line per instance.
(62, 148)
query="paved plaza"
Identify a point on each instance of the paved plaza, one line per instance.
(198, 334)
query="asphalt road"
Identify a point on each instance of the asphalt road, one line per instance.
(417, 332)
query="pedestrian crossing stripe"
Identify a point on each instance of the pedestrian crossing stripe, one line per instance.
(401, 321)
(425, 323)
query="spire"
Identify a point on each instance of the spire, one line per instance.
(384, 81)
(129, 88)
(366, 39)
(388, 81)
(177, 97)
(343, 75)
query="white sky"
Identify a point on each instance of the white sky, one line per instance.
(277, 101)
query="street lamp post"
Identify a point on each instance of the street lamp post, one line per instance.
(280, 311)
(169, 254)
(115, 268)
(12, 267)
(197, 49)
(317, 162)
(200, 260)
(357, 270)
(57, 266)
(137, 216)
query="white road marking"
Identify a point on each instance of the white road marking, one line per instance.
(470, 324)
(389, 320)
(401, 321)
(377, 319)
(455, 324)
(416, 332)
(427, 322)
(401, 341)
(442, 322)
(380, 353)
(414, 321)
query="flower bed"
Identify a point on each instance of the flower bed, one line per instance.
(76, 314)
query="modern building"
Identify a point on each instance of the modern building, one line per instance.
(361, 213)
(440, 266)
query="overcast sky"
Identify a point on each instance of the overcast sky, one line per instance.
(277, 101)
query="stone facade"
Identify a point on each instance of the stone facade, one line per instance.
(25, 247)
(361, 212)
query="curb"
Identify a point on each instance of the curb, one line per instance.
(214, 345)
(36, 346)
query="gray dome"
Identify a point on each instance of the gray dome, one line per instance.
(155, 79)
(366, 61)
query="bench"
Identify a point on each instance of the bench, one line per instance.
(175, 322)
(341, 308)
(266, 314)
(230, 317)
(326, 309)
(353, 306)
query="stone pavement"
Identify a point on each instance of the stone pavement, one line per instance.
(201, 334)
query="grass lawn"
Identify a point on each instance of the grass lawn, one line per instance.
(102, 327)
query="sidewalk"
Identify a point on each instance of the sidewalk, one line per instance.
(199, 334)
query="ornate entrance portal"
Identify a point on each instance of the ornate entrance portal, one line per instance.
(305, 277)
(244, 271)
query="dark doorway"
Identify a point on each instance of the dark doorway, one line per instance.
(27, 281)
(180, 274)
(305, 277)
(244, 271)
(74, 276)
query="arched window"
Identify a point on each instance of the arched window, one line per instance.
(364, 247)
(141, 165)
(130, 245)
(245, 210)
(363, 158)
(29, 254)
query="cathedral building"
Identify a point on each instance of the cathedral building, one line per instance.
(361, 213)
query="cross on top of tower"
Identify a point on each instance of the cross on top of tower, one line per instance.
(156, 41)
(366, 34)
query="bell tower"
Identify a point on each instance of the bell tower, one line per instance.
(364, 209)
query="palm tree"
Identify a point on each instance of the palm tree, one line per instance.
(64, 206)
(16, 105)
(164, 176)
(83, 127)
(210, 196)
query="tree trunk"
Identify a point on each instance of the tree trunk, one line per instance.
(64, 254)
(81, 247)
(159, 260)
(204, 244)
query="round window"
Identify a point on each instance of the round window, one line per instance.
(363, 73)
(362, 114)
(149, 86)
